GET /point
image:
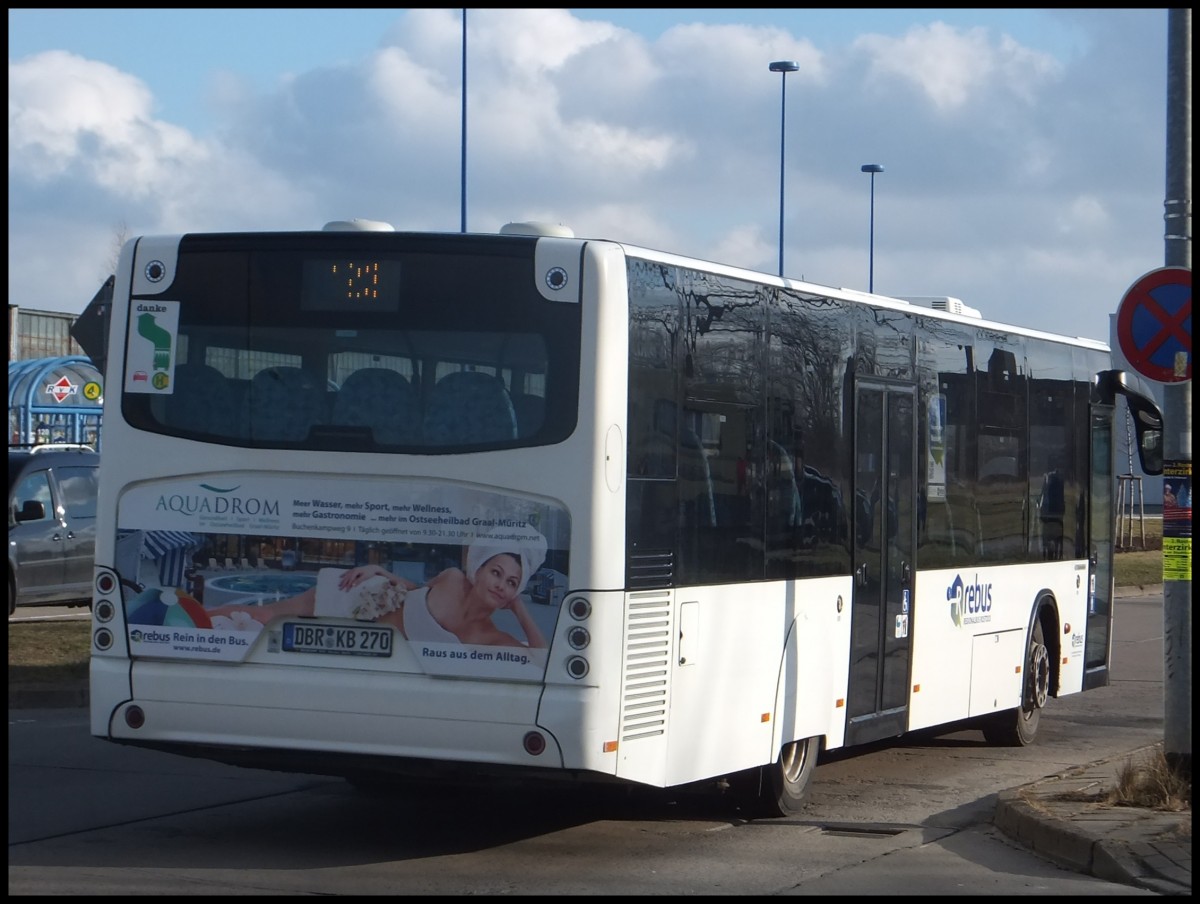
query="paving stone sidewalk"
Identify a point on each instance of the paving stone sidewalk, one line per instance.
(1063, 818)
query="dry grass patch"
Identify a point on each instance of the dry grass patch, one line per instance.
(42, 653)
(1151, 782)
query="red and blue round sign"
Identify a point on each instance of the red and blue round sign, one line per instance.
(1154, 325)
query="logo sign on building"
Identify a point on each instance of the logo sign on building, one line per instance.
(61, 389)
(1154, 325)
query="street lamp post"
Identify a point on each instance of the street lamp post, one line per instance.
(783, 67)
(463, 157)
(872, 168)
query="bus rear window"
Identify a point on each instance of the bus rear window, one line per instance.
(421, 353)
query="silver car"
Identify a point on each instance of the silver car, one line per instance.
(51, 525)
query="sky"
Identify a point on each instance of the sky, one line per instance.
(1024, 151)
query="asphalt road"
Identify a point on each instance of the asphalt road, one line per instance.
(912, 816)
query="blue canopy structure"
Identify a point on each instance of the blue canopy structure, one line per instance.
(55, 400)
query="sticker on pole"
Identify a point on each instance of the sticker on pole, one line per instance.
(1154, 325)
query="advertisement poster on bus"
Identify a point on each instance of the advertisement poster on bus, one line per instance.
(402, 574)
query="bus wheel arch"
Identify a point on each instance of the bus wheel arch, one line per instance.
(779, 788)
(1018, 727)
(787, 780)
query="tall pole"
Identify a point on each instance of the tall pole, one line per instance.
(783, 67)
(1177, 404)
(871, 168)
(871, 242)
(463, 180)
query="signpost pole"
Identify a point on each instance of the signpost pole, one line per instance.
(1177, 406)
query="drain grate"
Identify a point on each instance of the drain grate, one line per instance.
(855, 831)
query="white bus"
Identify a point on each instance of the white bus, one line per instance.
(384, 505)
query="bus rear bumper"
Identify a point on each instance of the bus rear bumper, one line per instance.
(200, 709)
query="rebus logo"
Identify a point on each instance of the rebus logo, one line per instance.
(969, 603)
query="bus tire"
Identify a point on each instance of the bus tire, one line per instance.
(1018, 727)
(781, 788)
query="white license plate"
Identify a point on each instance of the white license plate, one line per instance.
(355, 641)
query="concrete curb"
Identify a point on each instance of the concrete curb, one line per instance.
(1055, 839)
(1055, 819)
(1138, 590)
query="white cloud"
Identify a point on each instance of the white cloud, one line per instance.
(1029, 186)
(954, 67)
(65, 112)
(1085, 214)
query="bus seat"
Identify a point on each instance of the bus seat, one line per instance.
(285, 402)
(469, 407)
(381, 399)
(530, 411)
(202, 400)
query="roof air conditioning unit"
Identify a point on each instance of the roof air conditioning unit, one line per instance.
(947, 303)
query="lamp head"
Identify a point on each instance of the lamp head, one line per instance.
(784, 66)
(872, 168)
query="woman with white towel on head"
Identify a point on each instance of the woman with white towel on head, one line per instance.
(458, 604)
(455, 607)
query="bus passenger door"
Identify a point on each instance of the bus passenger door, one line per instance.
(1100, 549)
(885, 488)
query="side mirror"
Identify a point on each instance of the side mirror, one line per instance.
(1147, 418)
(31, 510)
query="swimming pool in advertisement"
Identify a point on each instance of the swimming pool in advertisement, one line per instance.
(251, 587)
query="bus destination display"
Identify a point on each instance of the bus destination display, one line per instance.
(351, 284)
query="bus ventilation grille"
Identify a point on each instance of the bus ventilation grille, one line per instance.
(647, 665)
(651, 570)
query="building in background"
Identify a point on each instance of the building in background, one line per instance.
(40, 334)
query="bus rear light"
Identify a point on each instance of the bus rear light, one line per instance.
(578, 637)
(104, 611)
(610, 746)
(577, 666)
(103, 639)
(106, 583)
(579, 608)
(534, 743)
(135, 717)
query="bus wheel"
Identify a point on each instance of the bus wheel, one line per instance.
(780, 788)
(1018, 727)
